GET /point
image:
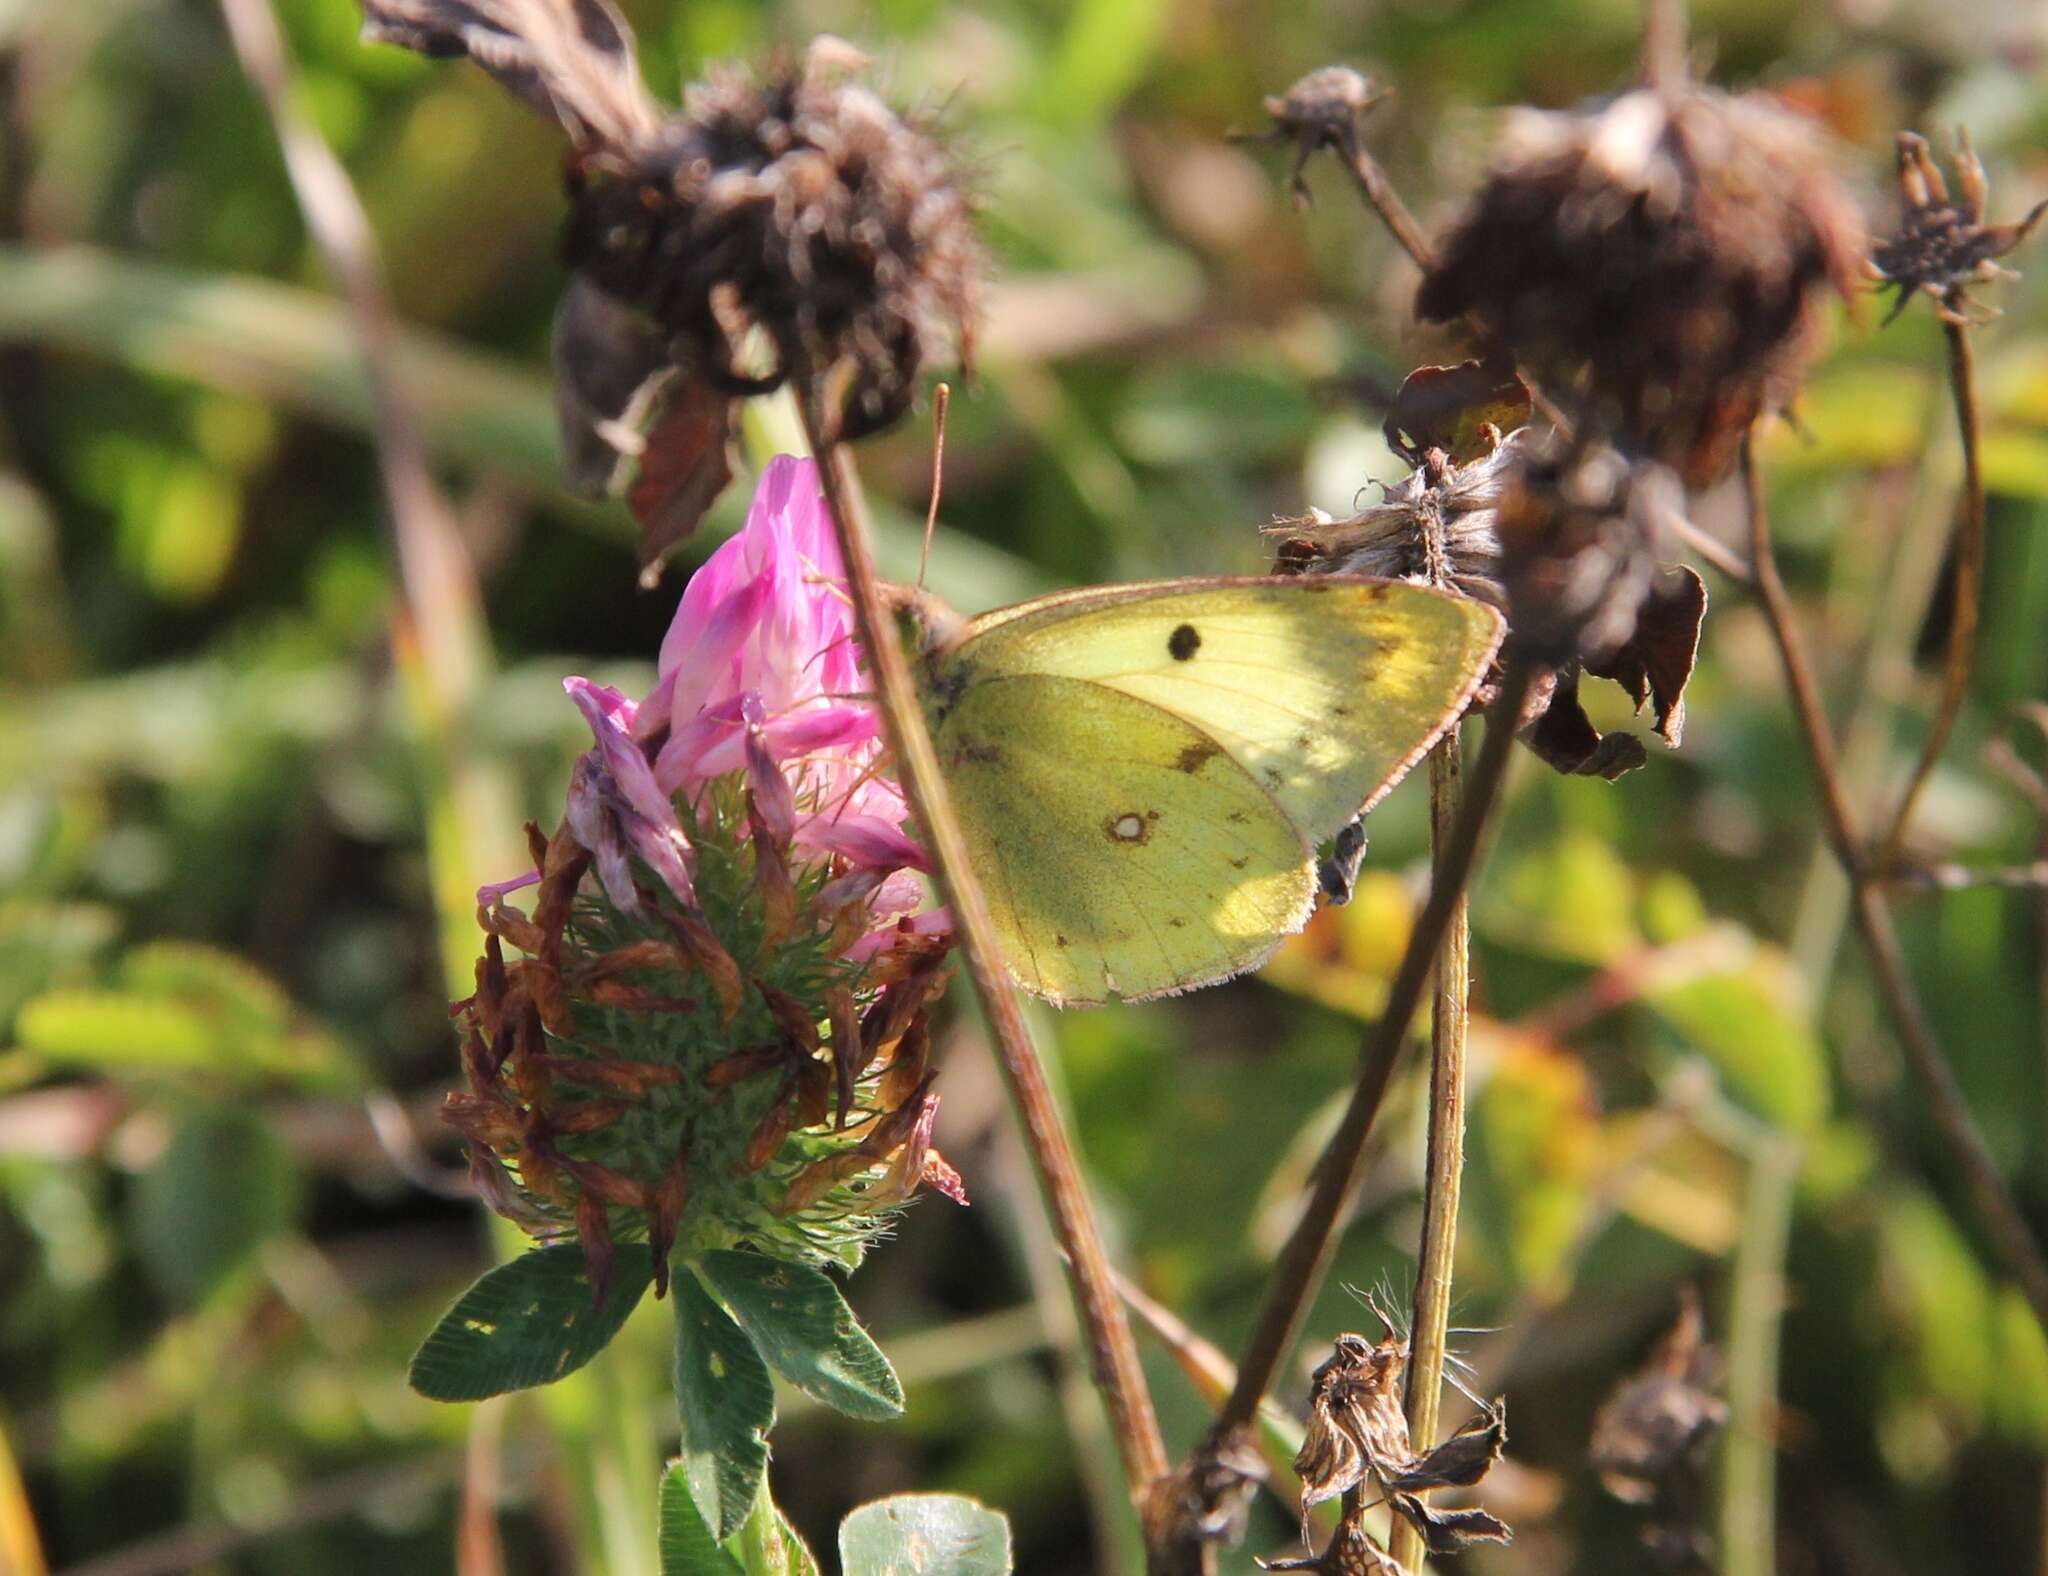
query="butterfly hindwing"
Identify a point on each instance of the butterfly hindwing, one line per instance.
(1123, 854)
(1326, 689)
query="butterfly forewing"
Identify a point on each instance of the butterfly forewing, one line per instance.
(1123, 853)
(1326, 690)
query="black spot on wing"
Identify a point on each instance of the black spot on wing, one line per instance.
(1196, 755)
(1184, 642)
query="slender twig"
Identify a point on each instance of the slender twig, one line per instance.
(1716, 553)
(1949, 877)
(1748, 1490)
(1340, 1169)
(1379, 193)
(1969, 591)
(1429, 1326)
(1112, 1353)
(1999, 1212)
(439, 584)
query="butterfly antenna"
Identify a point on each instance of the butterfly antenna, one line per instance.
(941, 398)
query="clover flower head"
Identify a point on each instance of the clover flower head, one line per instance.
(715, 1032)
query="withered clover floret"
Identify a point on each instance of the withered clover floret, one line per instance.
(714, 1030)
(1357, 1437)
(786, 225)
(1943, 245)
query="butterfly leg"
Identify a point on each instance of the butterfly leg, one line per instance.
(1338, 874)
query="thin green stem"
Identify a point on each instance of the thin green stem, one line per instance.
(2010, 1235)
(1969, 592)
(1429, 1326)
(1113, 1355)
(1305, 1259)
(1748, 1484)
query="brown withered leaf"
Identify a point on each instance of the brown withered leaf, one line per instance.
(1448, 1531)
(1656, 662)
(685, 465)
(1450, 408)
(1565, 737)
(1464, 1458)
(572, 59)
(612, 364)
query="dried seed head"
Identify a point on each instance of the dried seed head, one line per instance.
(1658, 260)
(1571, 546)
(1654, 1425)
(1941, 246)
(1584, 554)
(789, 225)
(1324, 109)
(1357, 1436)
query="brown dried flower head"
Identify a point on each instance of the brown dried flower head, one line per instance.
(1944, 245)
(1656, 1422)
(1357, 1436)
(1650, 1441)
(787, 225)
(798, 205)
(1658, 261)
(1324, 109)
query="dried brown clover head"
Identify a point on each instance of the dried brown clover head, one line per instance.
(1941, 245)
(1657, 261)
(786, 225)
(798, 205)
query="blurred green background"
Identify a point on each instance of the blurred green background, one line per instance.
(235, 842)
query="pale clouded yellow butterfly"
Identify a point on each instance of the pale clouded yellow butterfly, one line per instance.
(1143, 772)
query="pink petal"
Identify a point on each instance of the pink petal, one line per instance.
(491, 895)
(864, 839)
(610, 716)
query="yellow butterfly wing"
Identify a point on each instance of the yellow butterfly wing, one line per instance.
(1141, 772)
(1325, 688)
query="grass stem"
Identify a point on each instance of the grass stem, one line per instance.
(1429, 1326)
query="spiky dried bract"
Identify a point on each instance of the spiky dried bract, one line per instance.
(800, 205)
(1658, 262)
(1943, 245)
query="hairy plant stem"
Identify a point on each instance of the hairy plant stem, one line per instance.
(1999, 1213)
(1113, 1355)
(1428, 1330)
(1305, 1258)
(1969, 594)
